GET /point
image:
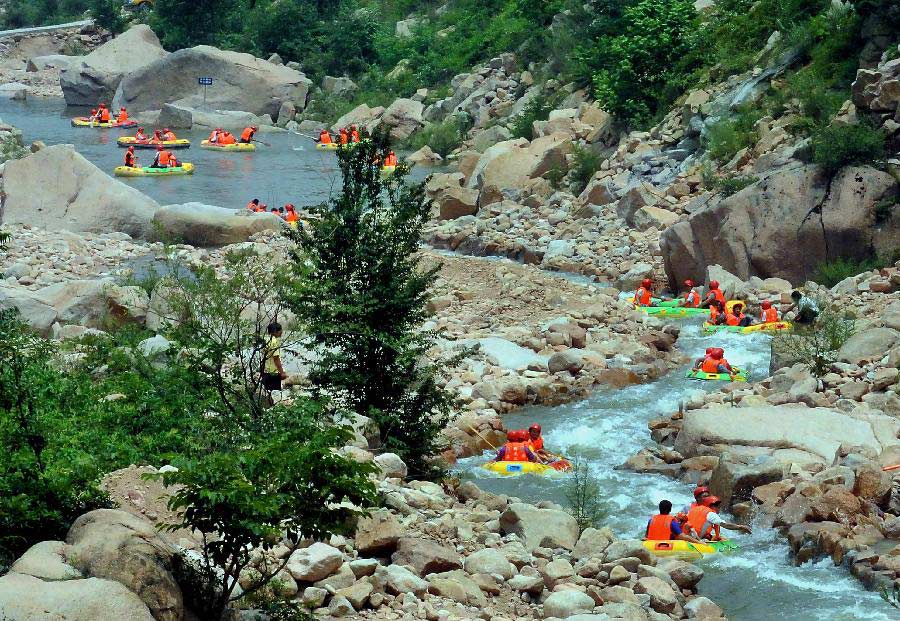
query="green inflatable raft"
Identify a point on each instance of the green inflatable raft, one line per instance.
(741, 376)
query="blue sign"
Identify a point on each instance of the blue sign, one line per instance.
(205, 81)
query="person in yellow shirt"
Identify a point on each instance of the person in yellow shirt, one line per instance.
(273, 371)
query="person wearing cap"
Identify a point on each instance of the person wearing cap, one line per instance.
(700, 492)
(163, 159)
(664, 526)
(247, 134)
(644, 295)
(736, 316)
(290, 215)
(713, 294)
(704, 519)
(516, 447)
(767, 313)
(699, 362)
(536, 443)
(691, 296)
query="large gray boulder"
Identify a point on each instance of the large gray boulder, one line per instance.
(207, 225)
(868, 345)
(26, 598)
(785, 225)
(241, 82)
(426, 556)
(58, 189)
(403, 117)
(540, 528)
(96, 77)
(114, 545)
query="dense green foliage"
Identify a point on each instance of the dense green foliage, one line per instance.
(441, 137)
(363, 297)
(108, 14)
(831, 273)
(816, 346)
(24, 13)
(836, 146)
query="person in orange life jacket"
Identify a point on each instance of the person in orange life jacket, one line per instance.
(699, 362)
(716, 363)
(767, 314)
(354, 134)
(705, 520)
(324, 137)
(643, 295)
(94, 115)
(700, 492)
(516, 448)
(691, 297)
(163, 158)
(130, 158)
(253, 205)
(226, 137)
(717, 313)
(123, 115)
(737, 313)
(157, 137)
(169, 135)
(140, 136)
(536, 442)
(247, 134)
(664, 526)
(290, 215)
(390, 160)
(103, 113)
(714, 293)
(344, 137)
(214, 135)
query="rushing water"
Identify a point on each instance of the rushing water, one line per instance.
(758, 582)
(291, 170)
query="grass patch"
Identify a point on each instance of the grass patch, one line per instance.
(831, 273)
(442, 137)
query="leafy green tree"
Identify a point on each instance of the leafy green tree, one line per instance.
(185, 23)
(46, 478)
(362, 296)
(108, 14)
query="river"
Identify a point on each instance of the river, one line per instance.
(756, 584)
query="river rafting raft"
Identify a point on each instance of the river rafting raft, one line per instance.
(147, 171)
(237, 147)
(516, 468)
(84, 121)
(131, 141)
(687, 550)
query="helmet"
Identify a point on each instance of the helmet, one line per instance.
(688, 283)
(131, 148)
(523, 435)
(140, 129)
(709, 501)
(700, 489)
(646, 283)
(159, 147)
(766, 304)
(122, 108)
(289, 207)
(713, 284)
(254, 128)
(165, 129)
(709, 350)
(511, 435)
(718, 353)
(535, 427)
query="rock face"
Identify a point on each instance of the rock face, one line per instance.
(817, 432)
(785, 225)
(58, 189)
(206, 225)
(115, 545)
(242, 82)
(24, 598)
(97, 76)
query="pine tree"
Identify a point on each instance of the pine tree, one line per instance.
(363, 295)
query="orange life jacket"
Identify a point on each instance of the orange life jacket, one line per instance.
(733, 320)
(390, 160)
(344, 138)
(643, 296)
(354, 136)
(226, 138)
(104, 115)
(660, 527)
(697, 520)
(247, 134)
(769, 315)
(129, 159)
(536, 445)
(692, 298)
(713, 314)
(325, 137)
(710, 365)
(164, 158)
(123, 116)
(169, 136)
(515, 451)
(718, 295)
(291, 216)
(252, 206)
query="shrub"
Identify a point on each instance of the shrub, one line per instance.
(442, 137)
(583, 495)
(838, 145)
(585, 163)
(108, 14)
(729, 135)
(538, 108)
(363, 297)
(817, 346)
(831, 273)
(732, 184)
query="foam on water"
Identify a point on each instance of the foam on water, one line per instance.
(758, 582)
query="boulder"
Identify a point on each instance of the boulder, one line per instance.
(506, 354)
(424, 156)
(592, 542)
(114, 545)
(25, 598)
(425, 556)
(357, 594)
(704, 609)
(403, 117)
(361, 115)
(316, 562)
(540, 528)
(785, 225)
(653, 217)
(662, 597)
(177, 117)
(378, 533)
(598, 192)
(565, 604)
(52, 61)
(489, 561)
(514, 166)
(569, 360)
(685, 575)
(339, 87)
(391, 465)
(456, 202)
(242, 82)
(489, 137)
(878, 89)
(818, 432)
(869, 345)
(206, 225)
(638, 197)
(734, 482)
(96, 78)
(14, 90)
(46, 560)
(58, 189)
(398, 580)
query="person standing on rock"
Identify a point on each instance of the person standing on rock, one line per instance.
(807, 309)
(664, 527)
(705, 520)
(272, 370)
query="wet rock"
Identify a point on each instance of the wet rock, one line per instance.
(734, 482)
(703, 608)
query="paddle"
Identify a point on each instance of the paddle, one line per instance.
(261, 142)
(478, 433)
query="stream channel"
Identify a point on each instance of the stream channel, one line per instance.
(757, 583)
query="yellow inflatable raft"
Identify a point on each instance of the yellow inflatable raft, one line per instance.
(513, 468)
(759, 327)
(131, 141)
(237, 146)
(686, 549)
(127, 171)
(387, 171)
(331, 146)
(84, 121)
